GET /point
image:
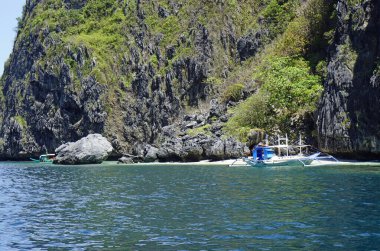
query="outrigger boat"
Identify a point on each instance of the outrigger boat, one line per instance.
(264, 155)
(45, 158)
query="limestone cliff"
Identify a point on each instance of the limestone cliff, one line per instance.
(348, 117)
(160, 78)
(125, 69)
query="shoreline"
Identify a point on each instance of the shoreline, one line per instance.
(240, 162)
(201, 162)
(237, 163)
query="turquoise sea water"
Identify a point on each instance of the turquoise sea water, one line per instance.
(111, 207)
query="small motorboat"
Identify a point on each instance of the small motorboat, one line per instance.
(45, 158)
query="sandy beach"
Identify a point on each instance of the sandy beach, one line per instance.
(240, 162)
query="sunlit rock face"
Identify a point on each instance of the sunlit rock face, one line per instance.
(92, 149)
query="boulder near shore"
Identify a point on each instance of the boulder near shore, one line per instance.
(92, 149)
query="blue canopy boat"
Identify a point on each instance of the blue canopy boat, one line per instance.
(263, 155)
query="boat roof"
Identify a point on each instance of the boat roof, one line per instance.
(286, 146)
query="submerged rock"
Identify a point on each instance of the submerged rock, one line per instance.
(92, 149)
(125, 160)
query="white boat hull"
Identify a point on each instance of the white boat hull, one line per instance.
(283, 161)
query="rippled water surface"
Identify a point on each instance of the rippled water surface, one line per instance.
(188, 208)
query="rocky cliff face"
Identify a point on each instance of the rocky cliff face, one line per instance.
(157, 77)
(123, 69)
(348, 117)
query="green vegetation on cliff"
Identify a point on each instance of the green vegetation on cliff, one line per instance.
(130, 68)
(109, 29)
(288, 91)
(289, 73)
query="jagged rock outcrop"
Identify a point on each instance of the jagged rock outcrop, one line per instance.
(92, 149)
(250, 44)
(199, 147)
(197, 137)
(348, 117)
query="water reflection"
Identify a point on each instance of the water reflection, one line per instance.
(188, 207)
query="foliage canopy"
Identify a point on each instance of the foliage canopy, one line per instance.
(288, 92)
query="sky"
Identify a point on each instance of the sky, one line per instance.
(9, 11)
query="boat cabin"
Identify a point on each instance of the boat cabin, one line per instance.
(47, 157)
(262, 153)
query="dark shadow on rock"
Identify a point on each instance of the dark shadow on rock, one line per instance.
(364, 97)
